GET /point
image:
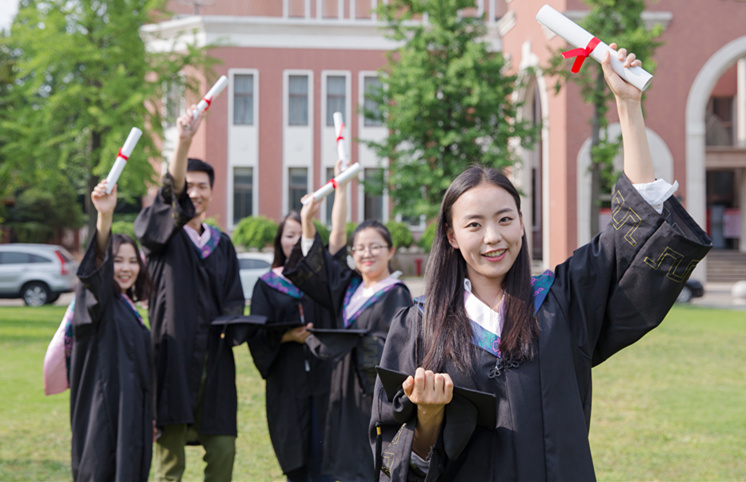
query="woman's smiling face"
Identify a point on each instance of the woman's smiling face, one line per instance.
(487, 228)
(126, 266)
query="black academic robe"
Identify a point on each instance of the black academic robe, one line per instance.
(347, 455)
(190, 292)
(606, 296)
(111, 405)
(296, 381)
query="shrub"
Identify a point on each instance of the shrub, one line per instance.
(322, 230)
(349, 229)
(213, 221)
(255, 232)
(426, 241)
(401, 236)
(123, 227)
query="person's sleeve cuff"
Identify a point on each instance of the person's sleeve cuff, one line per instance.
(656, 192)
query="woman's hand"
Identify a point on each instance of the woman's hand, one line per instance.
(431, 392)
(307, 213)
(104, 203)
(338, 168)
(623, 91)
(297, 335)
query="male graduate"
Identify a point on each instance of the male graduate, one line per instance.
(196, 276)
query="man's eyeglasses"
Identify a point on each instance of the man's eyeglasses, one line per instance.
(373, 249)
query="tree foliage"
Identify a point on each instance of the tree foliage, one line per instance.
(617, 21)
(401, 236)
(445, 100)
(82, 78)
(255, 232)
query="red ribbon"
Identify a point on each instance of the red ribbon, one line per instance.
(334, 183)
(339, 135)
(207, 101)
(580, 54)
(122, 155)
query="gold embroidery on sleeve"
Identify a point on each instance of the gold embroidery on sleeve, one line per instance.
(627, 217)
(676, 261)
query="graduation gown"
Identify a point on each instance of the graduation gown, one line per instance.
(606, 296)
(111, 406)
(192, 288)
(296, 381)
(327, 280)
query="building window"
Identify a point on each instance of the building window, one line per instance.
(330, 197)
(297, 186)
(371, 85)
(336, 87)
(298, 100)
(373, 203)
(243, 100)
(243, 193)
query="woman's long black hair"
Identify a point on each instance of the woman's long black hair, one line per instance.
(143, 285)
(279, 259)
(447, 332)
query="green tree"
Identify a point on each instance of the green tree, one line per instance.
(255, 232)
(445, 100)
(401, 236)
(617, 21)
(82, 79)
(43, 211)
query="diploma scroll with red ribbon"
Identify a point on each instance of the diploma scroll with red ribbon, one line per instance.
(216, 89)
(589, 46)
(339, 127)
(124, 154)
(339, 181)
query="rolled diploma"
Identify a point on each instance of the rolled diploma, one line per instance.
(343, 178)
(214, 91)
(120, 162)
(341, 151)
(577, 36)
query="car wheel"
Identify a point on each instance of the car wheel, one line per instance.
(53, 297)
(35, 294)
(685, 296)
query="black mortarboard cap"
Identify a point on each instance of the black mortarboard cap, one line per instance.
(236, 328)
(484, 402)
(332, 343)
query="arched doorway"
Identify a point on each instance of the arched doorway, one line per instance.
(698, 101)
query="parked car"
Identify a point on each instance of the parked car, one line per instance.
(692, 289)
(252, 266)
(38, 273)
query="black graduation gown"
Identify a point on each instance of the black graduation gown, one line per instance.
(111, 405)
(295, 380)
(347, 454)
(606, 296)
(190, 292)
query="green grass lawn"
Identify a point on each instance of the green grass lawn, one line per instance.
(671, 407)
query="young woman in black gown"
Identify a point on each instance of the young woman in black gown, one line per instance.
(486, 325)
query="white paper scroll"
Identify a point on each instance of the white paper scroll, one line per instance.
(577, 36)
(339, 181)
(216, 89)
(122, 157)
(339, 126)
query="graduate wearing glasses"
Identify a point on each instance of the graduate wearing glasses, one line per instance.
(364, 301)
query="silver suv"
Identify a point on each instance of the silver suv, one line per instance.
(38, 273)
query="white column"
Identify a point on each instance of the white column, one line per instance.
(741, 103)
